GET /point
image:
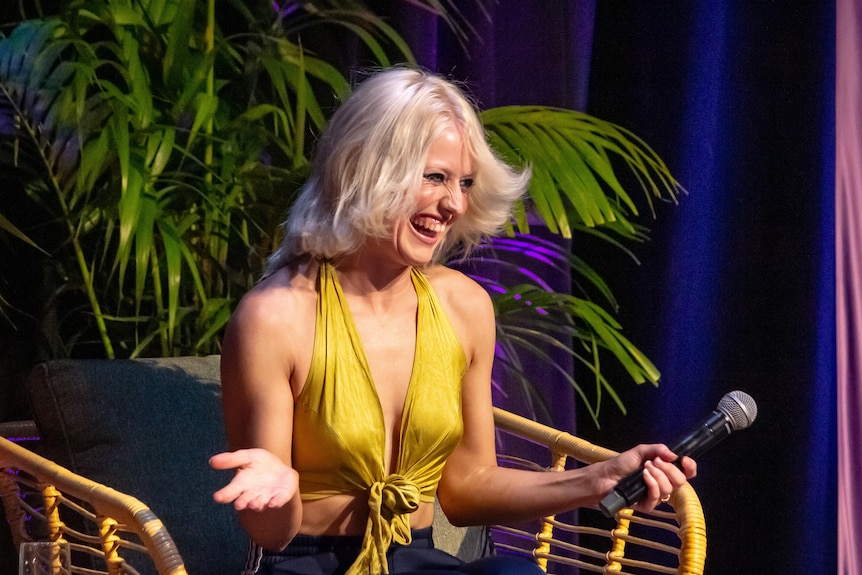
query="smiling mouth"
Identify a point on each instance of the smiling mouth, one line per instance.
(427, 226)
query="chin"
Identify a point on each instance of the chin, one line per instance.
(417, 253)
(419, 262)
(418, 258)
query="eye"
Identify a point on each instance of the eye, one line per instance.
(466, 183)
(435, 178)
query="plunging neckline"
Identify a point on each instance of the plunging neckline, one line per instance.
(366, 368)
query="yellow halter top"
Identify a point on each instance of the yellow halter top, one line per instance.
(339, 433)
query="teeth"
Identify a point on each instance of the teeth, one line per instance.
(429, 224)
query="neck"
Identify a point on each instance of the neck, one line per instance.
(362, 277)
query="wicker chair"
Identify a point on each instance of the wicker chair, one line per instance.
(671, 539)
(44, 501)
(109, 420)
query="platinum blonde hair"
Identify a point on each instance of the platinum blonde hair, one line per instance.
(369, 163)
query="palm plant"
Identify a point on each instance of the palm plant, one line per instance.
(162, 150)
(575, 188)
(139, 130)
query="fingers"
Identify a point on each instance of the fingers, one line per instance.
(227, 494)
(255, 501)
(689, 467)
(660, 452)
(253, 497)
(656, 477)
(657, 484)
(662, 477)
(261, 480)
(230, 459)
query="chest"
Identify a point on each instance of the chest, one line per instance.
(389, 344)
(402, 362)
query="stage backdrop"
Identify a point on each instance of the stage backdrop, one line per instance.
(848, 233)
(739, 99)
(736, 288)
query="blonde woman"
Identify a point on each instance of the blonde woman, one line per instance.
(356, 374)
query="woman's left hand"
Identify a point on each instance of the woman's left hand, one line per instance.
(660, 472)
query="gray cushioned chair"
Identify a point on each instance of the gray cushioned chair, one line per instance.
(146, 427)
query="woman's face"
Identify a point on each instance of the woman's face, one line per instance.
(442, 197)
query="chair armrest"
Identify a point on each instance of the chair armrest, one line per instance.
(651, 542)
(97, 520)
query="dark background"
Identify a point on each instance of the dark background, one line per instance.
(735, 290)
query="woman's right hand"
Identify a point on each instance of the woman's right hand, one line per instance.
(261, 481)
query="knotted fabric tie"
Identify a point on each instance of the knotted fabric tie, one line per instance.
(390, 503)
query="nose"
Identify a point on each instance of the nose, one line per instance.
(455, 201)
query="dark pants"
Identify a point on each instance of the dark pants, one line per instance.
(331, 555)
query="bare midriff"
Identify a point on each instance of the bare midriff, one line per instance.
(348, 515)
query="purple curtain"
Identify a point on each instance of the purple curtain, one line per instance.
(736, 289)
(848, 289)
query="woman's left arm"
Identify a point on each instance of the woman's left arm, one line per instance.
(474, 490)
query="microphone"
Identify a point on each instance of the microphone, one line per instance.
(736, 410)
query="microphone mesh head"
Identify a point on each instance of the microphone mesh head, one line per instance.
(740, 409)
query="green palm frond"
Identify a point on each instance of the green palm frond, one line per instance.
(576, 162)
(575, 159)
(138, 138)
(561, 330)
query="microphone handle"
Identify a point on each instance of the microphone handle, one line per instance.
(632, 488)
(710, 431)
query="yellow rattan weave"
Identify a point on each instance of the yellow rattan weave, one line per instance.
(44, 501)
(671, 539)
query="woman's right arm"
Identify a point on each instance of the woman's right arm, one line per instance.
(257, 402)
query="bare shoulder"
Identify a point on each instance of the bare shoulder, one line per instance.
(273, 324)
(457, 290)
(467, 304)
(276, 302)
(266, 347)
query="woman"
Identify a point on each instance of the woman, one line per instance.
(356, 374)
